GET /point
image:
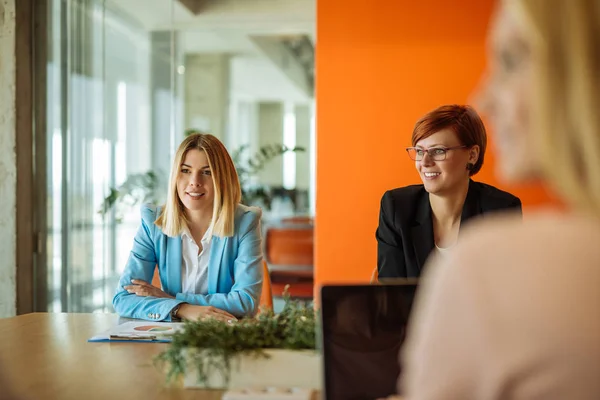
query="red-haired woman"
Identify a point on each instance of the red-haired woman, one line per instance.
(448, 148)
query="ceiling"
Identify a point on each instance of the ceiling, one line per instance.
(227, 26)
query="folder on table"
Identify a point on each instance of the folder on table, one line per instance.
(139, 332)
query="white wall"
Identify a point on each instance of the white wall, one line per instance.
(8, 183)
(303, 140)
(270, 131)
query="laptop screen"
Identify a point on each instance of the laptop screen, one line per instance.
(363, 328)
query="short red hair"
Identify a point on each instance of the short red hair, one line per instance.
(463, 120)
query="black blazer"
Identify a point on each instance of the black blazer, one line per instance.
(405, 231)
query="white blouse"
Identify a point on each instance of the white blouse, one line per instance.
(444, 251)
(194, 266)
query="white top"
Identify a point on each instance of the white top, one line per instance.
(443, 251)
(194, 266)
(512, 312)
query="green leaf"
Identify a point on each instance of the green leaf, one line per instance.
(215, 343)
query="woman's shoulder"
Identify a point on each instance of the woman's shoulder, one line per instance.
(543, 241)
(150, 213)
(404, 195)
(406, 191)
(490, 192)
(522, 290)
(247, 215)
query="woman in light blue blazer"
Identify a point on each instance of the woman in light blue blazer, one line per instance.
(206, 245)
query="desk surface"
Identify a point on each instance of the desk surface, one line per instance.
(46, 356)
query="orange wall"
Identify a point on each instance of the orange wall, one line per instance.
(380, 66)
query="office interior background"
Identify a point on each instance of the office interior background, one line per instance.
(97, 93)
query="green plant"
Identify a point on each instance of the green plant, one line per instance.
(249, 166)
(217, 342)
(137, 189)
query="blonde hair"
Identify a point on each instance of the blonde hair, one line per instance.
(172, 219)
(566, 102)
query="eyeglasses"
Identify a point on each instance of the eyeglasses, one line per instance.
(436, 153)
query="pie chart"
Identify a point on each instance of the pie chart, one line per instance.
(153, 328)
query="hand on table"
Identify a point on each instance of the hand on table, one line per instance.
(142, 288)
(199, 313)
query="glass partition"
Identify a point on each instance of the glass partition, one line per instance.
(110, 109)
(125, 81)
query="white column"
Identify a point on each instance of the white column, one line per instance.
(164, 141)
(303, 140)
(270, 131)
(207, 93)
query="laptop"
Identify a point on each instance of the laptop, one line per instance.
(363, 328)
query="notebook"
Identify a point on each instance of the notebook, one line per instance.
(139, 331)
(363, 328)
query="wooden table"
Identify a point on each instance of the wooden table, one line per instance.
(46, 356)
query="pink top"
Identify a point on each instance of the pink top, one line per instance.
(513, 312)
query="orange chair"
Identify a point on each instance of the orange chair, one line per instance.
(266, 296)
(289, 254)
(375, 276)
(290, 246)
(298, 220)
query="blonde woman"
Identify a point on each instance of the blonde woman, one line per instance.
(207, 246)
(514, 312)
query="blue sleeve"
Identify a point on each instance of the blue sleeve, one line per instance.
(243, 299)
(141, 265)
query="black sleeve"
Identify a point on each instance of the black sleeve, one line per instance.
(390, 254)
(517, 207)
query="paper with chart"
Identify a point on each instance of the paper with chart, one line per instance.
(140, 331)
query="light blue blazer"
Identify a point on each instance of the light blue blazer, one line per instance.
(235, 271)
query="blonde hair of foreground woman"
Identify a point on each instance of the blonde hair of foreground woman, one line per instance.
(565, 37)
(514, 312)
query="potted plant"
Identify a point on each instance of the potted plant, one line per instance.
(260, 351)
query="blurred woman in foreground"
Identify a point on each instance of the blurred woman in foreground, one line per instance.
(514, 312)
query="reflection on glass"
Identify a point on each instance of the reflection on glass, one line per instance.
(124, 84)
(247, 75)
(102, 95)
